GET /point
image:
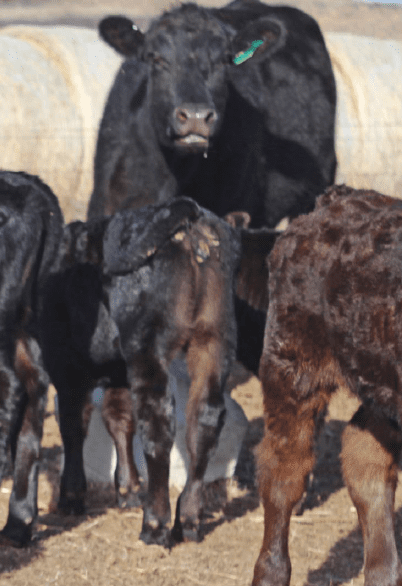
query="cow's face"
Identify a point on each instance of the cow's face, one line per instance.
(188, 88)
(187, 52)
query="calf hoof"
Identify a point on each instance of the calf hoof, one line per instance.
(157, 534)
(191, 532)
(15, 533)
(271, 570)
(128, 499)
(71, 506)
(187, 531)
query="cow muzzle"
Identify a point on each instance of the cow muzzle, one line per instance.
(193, 126)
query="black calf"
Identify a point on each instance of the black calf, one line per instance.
(30, 231)
(135, 291)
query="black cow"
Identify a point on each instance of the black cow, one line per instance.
(31, 226)
(334, 319)
(133, 292)
(233, 107)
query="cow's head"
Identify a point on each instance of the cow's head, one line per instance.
(188, 51)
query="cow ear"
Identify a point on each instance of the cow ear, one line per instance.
(122, 34)
(252, 276)
(238, 219)
(258, 40)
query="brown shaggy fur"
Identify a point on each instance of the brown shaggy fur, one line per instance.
(334, 317)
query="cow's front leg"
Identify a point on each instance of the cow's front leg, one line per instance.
(154, 413)
(204, 421)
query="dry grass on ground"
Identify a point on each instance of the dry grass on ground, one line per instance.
(102, 547)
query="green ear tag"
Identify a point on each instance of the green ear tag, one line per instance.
(247, 54)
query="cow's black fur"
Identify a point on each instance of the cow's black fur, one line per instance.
(30, 231)
(133, 292)
(182, 118)
(251, 299)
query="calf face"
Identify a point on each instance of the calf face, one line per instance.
(30, 231)
(334, 319)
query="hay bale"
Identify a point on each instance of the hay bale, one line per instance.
(54, 82)
(53, 86)
(369, 115)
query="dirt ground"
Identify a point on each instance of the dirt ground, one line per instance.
(102, 547)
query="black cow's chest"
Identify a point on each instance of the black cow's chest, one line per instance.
(232, 175)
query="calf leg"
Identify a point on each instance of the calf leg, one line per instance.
(25, 444)
(74, 413)
(293, 399)
(205, 416)
(117, 412)
(155, 425)
(371, 449)
(285, 459)
(12, 405)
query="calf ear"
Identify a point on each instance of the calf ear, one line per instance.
(134, 236)
(238, 219)
(258, 40)
(121, 34)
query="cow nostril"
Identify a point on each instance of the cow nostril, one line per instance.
(210, 117)
(194, 120)
(181, 116)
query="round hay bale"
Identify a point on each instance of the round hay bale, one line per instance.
(54, 82)
(53, 86)
(369, 113)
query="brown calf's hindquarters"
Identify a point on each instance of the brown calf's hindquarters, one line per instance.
(334, 318)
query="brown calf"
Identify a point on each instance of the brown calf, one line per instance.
(334, 318)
